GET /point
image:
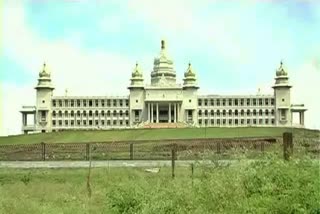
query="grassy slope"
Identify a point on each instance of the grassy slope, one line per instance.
(152, 134)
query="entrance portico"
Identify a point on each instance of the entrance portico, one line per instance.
(163, 112)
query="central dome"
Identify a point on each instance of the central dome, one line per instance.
(163, 71)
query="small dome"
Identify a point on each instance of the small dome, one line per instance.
(281, 71)
(136, 72)
(189, 72)
(44, 72)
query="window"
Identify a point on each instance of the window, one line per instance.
(120, 113)
(241, 102)
(78, 122)
(236, 121)
(218, 112)
(199, 102)
(267, 112)
(272, 101)
(211, 102)
(84, 113)
(218, 121)
(90, 113)
(254, 121)
(90, 103)
(66, 122)
(96, 122)
(242, 112)
(206, 113)
(66, 114)
(254, 101)
(54, 113)
(114, 102)
(254, 112)
(242, 121)
(224, 112)
(236, 102)
(102, 113)
(54, 103)
(43, 101)
(60, 113)
(97, 103)
(248, 112)
(72, 103)
(85, 122)
(102, 103)
(189, 101)
(78, 103)
(136, 101)
(127, 102)
(266, 101)
(266, 121)
(114, 113)
(114, 122)
(96, 113)
(272, 112)
(236, 112)
(60, 103)
(282, 100)
(78, 113)
(230, 121)
(230, 112)
(127, 113)
(72, 122)
(127, 122)
(260, 102)
(205, 102)
(248, 121)
(260, 112)
(84, 102)
(120, 102)
(102, 122)
(212, 113)
(218, 102)
(72, 113)
(66, 103)
(54, 122)
(260, 121)
(248, 102)
(212, 121)
(60, 122)
(272, 121)
(108, 122)
(224, 121)
(230, 102)
(90, 122)
(108, 103)
(283, 114)
(108, 113)
(199, 112)
(223, 102)
(121, 122)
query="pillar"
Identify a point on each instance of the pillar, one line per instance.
(157, 112)
(175, 112)
(169, 112)
(148, 112)
(151, 112)
(302, 118)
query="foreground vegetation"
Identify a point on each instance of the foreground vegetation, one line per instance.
(154, 134)
(267, 186)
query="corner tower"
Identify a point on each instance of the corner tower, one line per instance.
(283, 116)
(136, 98)
(190, 95)
(44, 92)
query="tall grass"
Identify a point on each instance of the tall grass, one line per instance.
(270, 185)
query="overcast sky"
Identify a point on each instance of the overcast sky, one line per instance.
(92, 46)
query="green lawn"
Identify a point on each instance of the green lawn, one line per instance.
(269, 186)
(152, 134)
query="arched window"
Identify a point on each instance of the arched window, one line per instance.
(66, 113)
(212, 113)
(230, 112)
(102, 113)
(206, 112)
(114, 112)
(60, 113)
(267, 112)
(120, 113)
(84, 113)
(54, 113)
(97, 113)
(242, 112)
(199, 112)
(272, 112)
(78, 113)
(72, 113)
(224, 112)
(260, 112)
(254, 112)
(248, 112)
(108, 113)
(236, 112)
(127, 113)
(90, 113)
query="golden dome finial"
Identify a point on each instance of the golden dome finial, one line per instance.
(163, 44)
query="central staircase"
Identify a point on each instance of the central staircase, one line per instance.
(164, 125)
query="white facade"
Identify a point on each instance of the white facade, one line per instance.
(163, 103)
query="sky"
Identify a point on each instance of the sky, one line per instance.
(91, 47)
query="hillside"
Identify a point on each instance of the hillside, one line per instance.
(154, 134)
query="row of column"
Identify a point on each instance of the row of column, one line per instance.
(152, 106)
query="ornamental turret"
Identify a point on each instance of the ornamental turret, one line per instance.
(163, 72)
(282, 97)
(136, 78)
(190, 80)
(44, 80)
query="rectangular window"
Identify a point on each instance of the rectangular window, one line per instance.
(60, 103)
(72, 103)
(223, 102)
(108, 103)
(54, 122)
(199, 102)
(54, 103)
(66, 103)
(121, 103)
(230, 102)
(236, 102)
(72, 122)
(241, 102)
(205, 102)
(254, 102)
(266, 102)
(90, 103)
(127, 103)
(248, 102)
(78, 103)
(84, 102)
(211, 102)
(272, 101)
(102, 103)
(114, 102)
(97, 103)
(260, 102)
(218, 102)
(283, 114)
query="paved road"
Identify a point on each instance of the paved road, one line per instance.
(113, 163)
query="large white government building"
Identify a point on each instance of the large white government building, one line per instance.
(163, 103)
